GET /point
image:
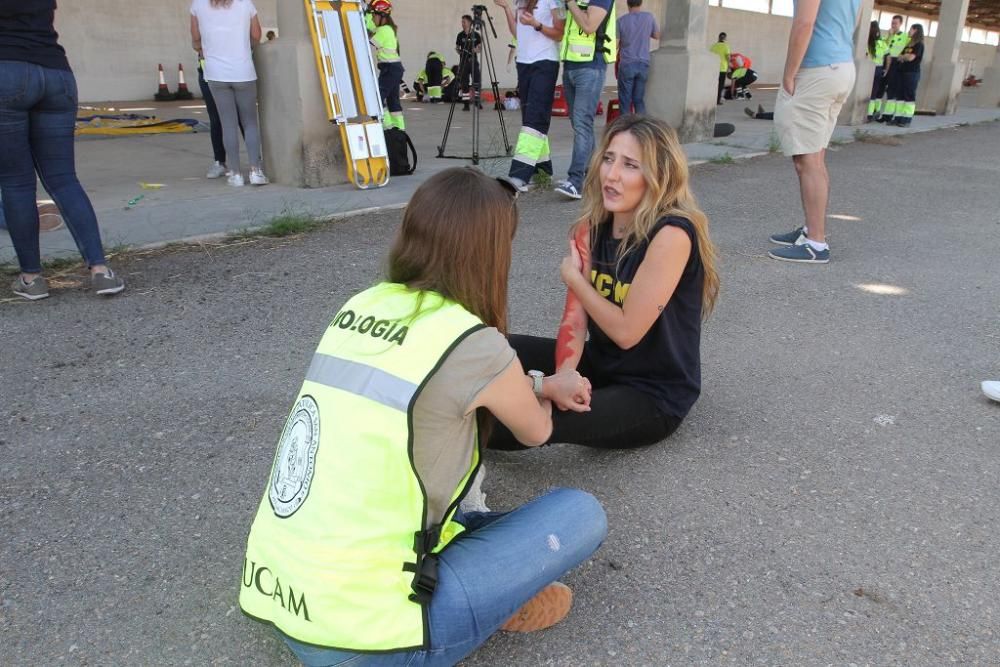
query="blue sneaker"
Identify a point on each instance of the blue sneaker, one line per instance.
(804, 254)
(791, 238)
(567, 189)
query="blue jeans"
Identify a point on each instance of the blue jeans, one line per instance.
(632, 86)
(37, 123)
(531, 546)
(582, 87)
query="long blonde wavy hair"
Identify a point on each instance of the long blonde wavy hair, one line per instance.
(668, 192)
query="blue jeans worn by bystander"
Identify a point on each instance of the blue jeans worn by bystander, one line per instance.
(632, 87)
(583, 86)
(37, 124)
(532, 546)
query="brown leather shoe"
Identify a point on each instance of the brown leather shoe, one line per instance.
(49, 218)
(548, 607)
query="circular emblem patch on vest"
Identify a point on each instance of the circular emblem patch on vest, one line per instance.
(295, 461)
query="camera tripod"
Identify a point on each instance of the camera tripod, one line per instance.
(468, 67)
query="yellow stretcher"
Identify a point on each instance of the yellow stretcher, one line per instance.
(350, 87)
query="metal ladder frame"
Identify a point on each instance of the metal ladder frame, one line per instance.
(350, 87)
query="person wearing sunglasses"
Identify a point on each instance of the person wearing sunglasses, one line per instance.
(359, 552)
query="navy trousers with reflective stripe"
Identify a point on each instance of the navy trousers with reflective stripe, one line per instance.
(536, 85)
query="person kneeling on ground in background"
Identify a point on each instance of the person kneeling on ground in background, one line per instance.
(383, 442)
(741, 77)
(642, 296)
(433, 79)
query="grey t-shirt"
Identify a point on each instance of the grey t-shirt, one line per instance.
(443, 423)
(635, 29)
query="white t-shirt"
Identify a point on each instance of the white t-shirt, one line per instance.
(532, 45)
(225, 39)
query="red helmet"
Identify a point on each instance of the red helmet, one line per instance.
(381, 7)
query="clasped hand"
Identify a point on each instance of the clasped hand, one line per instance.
(568, 390)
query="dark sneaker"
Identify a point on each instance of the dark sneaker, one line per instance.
(791, 238)
(748, 111)
(803, 254)
(106, 284)
(567, 189)
(33, 291)
(548, 607)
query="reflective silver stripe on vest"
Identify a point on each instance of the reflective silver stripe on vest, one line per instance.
(361, 380)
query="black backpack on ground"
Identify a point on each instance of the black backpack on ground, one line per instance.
(399, 148)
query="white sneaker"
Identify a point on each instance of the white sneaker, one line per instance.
(217, 170)
(235, 180)
(475, 499)
(520, 185)
(257, 177)
(992, 389)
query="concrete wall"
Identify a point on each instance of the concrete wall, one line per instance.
(115, 45)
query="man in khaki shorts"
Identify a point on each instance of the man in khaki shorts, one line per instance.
(819, 74)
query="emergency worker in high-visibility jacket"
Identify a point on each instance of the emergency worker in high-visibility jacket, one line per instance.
(877, 49)
(359, 551)
(381, 27)
(894, 92)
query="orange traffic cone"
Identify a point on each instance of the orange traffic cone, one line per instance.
(182, 88)
(163, 93)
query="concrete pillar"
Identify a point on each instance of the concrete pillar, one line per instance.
(855, 109)
(302, 148)
(941, 83)
(683, 73)
(989, 92)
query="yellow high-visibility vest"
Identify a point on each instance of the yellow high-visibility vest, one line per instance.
(579, 47)
(897, 43)
(384, 40)
(340, 554)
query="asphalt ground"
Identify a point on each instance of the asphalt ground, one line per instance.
(833, 497)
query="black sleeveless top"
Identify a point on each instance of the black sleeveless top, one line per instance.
(27, 34)
(666, 363)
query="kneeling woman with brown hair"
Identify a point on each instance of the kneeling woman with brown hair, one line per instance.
(641, 275)
(358, 552)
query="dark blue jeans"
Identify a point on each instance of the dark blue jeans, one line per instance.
(632, 87)
(218, 147)
(37, 123)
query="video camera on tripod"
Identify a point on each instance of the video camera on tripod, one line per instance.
(470, 62)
